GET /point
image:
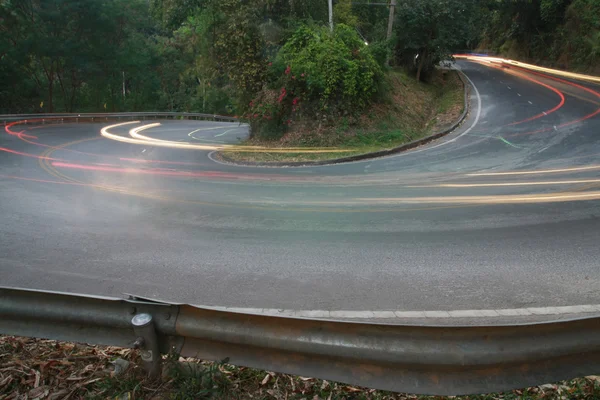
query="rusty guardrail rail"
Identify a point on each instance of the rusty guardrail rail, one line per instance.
(416, 359)
(7, 118)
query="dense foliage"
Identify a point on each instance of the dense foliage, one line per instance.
(562, 33)
(76, 55)
(240, 57)
(433, 29)
(316, 73)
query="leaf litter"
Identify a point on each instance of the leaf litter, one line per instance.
(52, 370)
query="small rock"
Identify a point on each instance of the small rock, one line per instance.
(120, 366)
(547, 387)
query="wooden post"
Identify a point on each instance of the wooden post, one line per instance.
(331, 15)
(391, 19)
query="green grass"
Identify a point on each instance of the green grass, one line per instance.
(451, 98)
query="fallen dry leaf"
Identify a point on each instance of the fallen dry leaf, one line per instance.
(58, 395)
(37, 379)
(265, 380)
(6, 381)
(38, 392)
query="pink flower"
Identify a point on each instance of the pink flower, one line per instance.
(255, 115)
(289, 122)
(293, 77)
(295, 101)
(270, 64)
(251, 104)
(302, 75)
(287, 70)
(282, 95)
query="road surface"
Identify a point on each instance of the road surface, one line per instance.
(502, 214)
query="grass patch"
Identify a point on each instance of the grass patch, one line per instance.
(409, 111)
(47, 369)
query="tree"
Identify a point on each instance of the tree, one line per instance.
(432, 29)
(71, 55)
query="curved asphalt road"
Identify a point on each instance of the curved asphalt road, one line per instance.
(438, 228)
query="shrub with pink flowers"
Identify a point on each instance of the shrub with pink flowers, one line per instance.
(316, 76)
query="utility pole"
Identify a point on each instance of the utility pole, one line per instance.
(391, 19)
(331, 15)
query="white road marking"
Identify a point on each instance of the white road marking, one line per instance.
(227, 131)
(519, 94)
(544, 148)
(529, 102)
(392, 314)
(509, 87)
(206, 129)
(544, 112)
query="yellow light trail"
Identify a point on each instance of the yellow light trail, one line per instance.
(137, 138)
(537, 183)
(541, 171)
(533, 67)
(502, 199)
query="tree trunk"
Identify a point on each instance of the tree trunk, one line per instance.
(203, 96)
(50, 94)
(62, 88)
(421, 63)
(74, 87)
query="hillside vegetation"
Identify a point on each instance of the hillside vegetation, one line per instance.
(385, 124)
(274, 63)
(559, 33)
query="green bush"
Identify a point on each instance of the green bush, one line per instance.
(317, 75)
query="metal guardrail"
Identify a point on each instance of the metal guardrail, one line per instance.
(416, 359)
(7, 118)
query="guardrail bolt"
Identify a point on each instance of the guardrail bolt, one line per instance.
(147, 343)
(139, 343)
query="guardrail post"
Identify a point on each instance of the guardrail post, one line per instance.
(147, 342)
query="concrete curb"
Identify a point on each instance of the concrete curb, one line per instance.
(376, 154)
